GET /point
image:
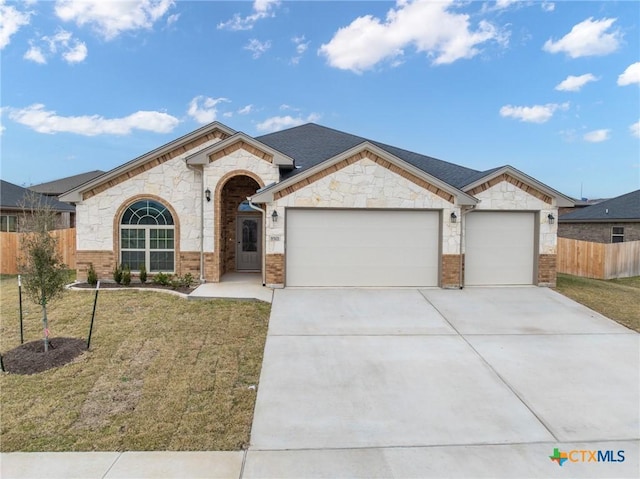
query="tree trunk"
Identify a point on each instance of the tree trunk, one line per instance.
(45, 324)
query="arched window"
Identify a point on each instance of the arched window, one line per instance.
(147, 237)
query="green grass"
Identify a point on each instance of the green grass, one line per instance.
(618, 299)
(163, 373)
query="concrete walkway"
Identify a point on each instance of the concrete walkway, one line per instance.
(483, 382)
(235, 285)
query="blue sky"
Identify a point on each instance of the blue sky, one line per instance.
(551, 88)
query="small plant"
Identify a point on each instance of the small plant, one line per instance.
(162, 279)
(126, 275)
(187, 280)
(92, 276)
(143, 273)
(176, 282)
(117, 274)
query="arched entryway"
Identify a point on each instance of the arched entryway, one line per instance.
(240, 233)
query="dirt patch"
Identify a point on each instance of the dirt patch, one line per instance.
(30, 358)
(112, 395)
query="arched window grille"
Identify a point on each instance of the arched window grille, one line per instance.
(147, 237)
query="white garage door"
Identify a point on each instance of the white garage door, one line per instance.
(499, 248)
(332, 247)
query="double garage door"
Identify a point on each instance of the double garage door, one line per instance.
(334, 247)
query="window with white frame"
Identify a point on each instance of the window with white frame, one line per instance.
(8, 223)
(617, 234)
(147, 237)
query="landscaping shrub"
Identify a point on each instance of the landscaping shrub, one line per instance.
(92, 276)
(162, 279)
(126, 275)
(143, 273)
(117, 274)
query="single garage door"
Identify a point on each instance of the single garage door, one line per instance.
(334, 247)
(499, 248)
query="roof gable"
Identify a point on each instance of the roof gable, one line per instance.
(521, 180)
(624, 207)
(148, 161)
(374, 153)
(236, 142)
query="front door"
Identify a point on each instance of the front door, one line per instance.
(248, 253)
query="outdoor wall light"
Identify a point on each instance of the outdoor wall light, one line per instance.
(274, 216)
(454, 217)
(207, 194)
(551, 218)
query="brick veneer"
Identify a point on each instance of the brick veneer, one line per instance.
(275, 269)
(547, 270)
(103, 263)
(451, 271)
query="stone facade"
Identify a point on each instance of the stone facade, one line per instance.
(598, 232)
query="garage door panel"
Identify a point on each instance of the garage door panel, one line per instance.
(362, 248)
(499, 248)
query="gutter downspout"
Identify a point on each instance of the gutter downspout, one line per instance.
(463, 212)
(201, 170)
(264, 245)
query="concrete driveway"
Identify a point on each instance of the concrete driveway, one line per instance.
(481, 382)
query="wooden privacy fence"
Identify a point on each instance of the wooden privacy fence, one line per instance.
(598, 260)
(10, 243)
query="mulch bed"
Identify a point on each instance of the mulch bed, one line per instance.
(180, 289)
(30, 358)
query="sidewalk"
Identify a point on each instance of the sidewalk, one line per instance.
(121, 465)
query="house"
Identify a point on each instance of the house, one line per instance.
(616, 220)
(57, 187)
(14, 198)
(313, 206)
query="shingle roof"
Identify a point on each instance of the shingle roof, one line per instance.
(625, 207)
(311, 144)
(57, 187)
(13, 196)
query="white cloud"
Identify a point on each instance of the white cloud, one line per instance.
(426, 25)
(630, 75)
(261, 9)
(575, 83)
(587, 38)
(11, 20)
(111, 19)
(597, 136)
(635, 129)
(277, 123)
(532, 114)
(301, 48)
(246, 110)
(548, 6)
(171, 19)
(35, 55)
(71, 49)
(45, 121)
(203, 109)
(257, 48)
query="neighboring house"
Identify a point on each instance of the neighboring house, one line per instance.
(57, 187)
(612, 221)
(14, 198)
(327, 209)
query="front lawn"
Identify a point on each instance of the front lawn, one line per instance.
(618, 299)
(163, 373)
